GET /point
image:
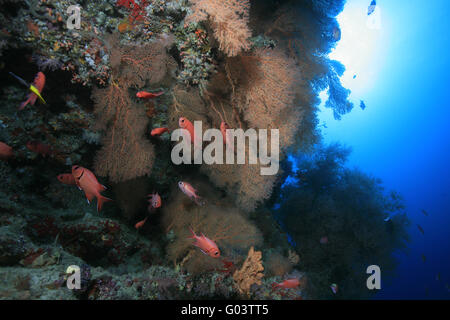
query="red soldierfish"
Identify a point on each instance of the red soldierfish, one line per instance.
(39, 83)
(148, 95)
(67, 178)
(6, 151)
(86, 181)
(207, 246)
(140, 224)
(154, 200)
(287, 284)
(190, 192)
(186, 124)
(159, 131)
(40, 148)
(227, 136)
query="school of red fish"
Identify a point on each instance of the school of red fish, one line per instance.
(87, 182)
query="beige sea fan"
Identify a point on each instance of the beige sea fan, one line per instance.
(229, 20)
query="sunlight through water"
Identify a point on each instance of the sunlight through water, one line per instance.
(360, 48)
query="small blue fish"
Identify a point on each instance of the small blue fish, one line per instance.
(420, 229)
(362, 105)
(372, 7)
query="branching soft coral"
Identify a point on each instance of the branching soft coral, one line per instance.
(266, 81)
(126, 153)
(268, 89)
(218, 220)
(328, 8)
(262, 95)
(229, 20)
(308, 43)
(243, 182)
(337, 94)
(143, 64)
(276, 264)
(254, 90)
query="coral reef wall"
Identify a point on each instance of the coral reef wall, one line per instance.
(138, 65)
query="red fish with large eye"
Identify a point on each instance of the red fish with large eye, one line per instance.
(148, 95)
(40, 148)
(86, 181)
(6, 151)
(186, 124)
(227, 136)
(191, 192)
(140, 224)
(67, 178)
(158, 131)
(287, 284)
(154, 201)
(207, 246)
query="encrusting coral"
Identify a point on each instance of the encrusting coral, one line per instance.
(250, 273)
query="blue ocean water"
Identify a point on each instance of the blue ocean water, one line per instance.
(398, 65)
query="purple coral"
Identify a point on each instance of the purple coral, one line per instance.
(45, 63)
